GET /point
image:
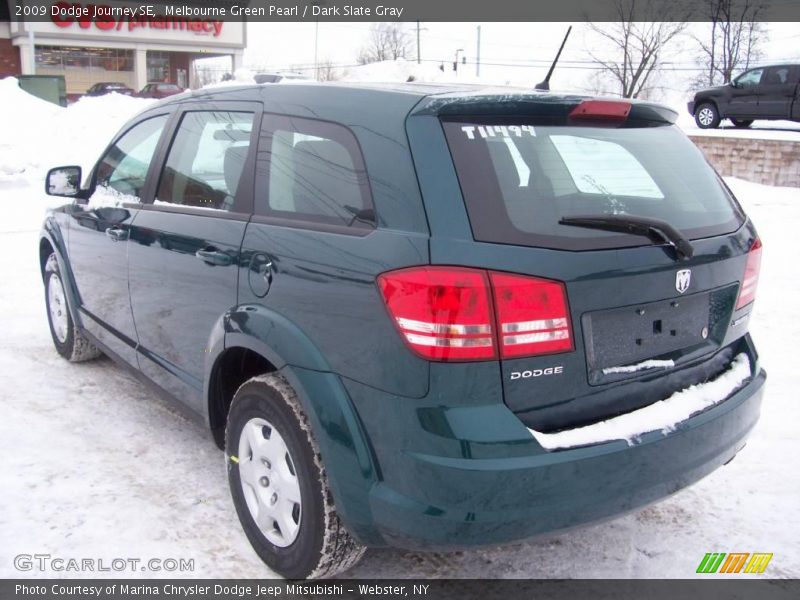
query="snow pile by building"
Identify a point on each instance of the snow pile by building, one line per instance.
(241, 76)
(25, 121)
(39, 135)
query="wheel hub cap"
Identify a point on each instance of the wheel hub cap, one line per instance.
(706, 116)
(269, 482)
(58, 307)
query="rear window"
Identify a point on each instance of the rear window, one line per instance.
(519, 179)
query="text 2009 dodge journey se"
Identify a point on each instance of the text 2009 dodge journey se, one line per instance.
(417, 316)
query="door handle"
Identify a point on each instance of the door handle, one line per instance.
(265, 269)
(117, 234)
(259, 275)
(214, 257)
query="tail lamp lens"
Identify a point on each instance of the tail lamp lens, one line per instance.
(532, 315)
(463, 314)
(442, 313)
(747, 293)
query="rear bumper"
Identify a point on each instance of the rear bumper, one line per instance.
(438, 501)
(690, 107)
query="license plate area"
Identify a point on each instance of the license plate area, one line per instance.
(655, 330)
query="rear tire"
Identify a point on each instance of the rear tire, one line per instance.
(279, 485)
(69, 342)
(742, 123)
(707, 116)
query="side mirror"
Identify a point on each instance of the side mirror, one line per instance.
(63, 181)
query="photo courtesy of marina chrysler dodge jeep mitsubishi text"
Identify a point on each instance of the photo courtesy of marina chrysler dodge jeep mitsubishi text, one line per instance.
(417, 316)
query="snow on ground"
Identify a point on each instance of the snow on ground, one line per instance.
(95, 466)
(762, 130)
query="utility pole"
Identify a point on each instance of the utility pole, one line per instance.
(419, 58)
(316, 46)
(478, 55)
(316, 39)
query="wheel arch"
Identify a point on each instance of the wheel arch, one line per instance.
(709, 100)
(337, 427)
(245, 339)
(52, 242)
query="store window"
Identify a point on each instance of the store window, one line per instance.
(84, 67)
(66, 57)
(158, 67)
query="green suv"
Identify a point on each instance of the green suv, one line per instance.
(417, 316)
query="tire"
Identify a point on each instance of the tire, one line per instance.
(742, 123)
(69, 342)
(707, 116)
(286, 482)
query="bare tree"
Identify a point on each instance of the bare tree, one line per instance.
(326, 71)
(733, 40)
(638, 41)
(387, 41)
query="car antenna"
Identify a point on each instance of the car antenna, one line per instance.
(545, 84)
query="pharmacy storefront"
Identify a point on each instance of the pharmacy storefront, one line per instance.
(131, 50)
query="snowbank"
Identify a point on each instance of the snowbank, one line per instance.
(395, 71)
(241, 76)
(762, 130)
(41, 135)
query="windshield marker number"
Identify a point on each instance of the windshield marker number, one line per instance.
(487, 131)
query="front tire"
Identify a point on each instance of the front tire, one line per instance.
(69, 342)
(707, 116)
(279, 485)
(742, 123)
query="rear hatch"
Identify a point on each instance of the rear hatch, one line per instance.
(612, 203)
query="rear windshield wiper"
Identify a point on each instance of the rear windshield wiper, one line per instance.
(655, 229)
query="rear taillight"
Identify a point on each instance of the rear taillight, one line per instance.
(747, 293)
(532, 315)
(459, 314)
(443, 313)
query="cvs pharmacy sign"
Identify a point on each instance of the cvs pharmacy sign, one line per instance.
(126, 18)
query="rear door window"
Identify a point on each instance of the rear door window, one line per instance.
(777, 75)
(519, 180)
(316, 174)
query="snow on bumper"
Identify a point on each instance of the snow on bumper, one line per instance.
(663, 415)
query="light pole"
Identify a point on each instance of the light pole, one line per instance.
(316, 46)
(419, 47)
(316, 39)
(478, 55)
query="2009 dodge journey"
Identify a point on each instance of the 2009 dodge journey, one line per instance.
(414, 315)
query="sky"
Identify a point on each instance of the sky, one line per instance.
(510, 52)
